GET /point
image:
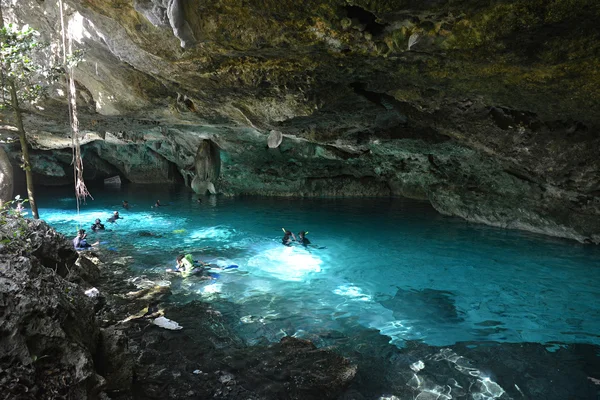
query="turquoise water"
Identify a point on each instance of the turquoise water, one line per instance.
(392, 265)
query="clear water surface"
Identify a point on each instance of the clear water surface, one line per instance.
(389, 264)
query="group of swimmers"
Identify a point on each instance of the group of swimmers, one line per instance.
(80, 241)
(186, 265)
(289, 237)
(81, 244)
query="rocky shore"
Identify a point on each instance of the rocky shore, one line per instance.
(61, 340)
(57, 342)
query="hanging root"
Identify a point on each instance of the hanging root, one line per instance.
(81, 191)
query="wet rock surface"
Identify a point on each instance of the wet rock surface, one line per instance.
(480, 370)
(489, 110)
(48, 329)
(59, 343)
(56, 343)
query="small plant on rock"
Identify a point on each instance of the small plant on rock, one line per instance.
(13, 227)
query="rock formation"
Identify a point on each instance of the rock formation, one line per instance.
(48, 329)
(487, 110)
(59, 343)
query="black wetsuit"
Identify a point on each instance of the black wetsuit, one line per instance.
(287, 239)
(98, 227)
(113, 218)
(303, 241)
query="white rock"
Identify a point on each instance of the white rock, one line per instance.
(93, 292)
(167, 323)
(417, 366)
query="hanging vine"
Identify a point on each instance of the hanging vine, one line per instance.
(81, 191)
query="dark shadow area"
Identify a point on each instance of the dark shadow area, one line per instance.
(366, 18)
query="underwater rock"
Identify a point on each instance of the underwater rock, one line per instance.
(295, 367)
(423, 305)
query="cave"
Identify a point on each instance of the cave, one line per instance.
(361, 217)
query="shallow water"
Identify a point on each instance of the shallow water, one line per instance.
(389, 264)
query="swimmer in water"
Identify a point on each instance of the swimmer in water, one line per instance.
(114, 217)
(97, 226)
(80, 242)
(187, 266)
(288, 237)
(126, 204)
(302, 239)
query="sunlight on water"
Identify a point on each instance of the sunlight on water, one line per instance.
(286, 263)
(217, 233)
(397, 267)
(353, 292)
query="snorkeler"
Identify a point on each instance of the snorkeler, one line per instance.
(302, 239)
(126, 204)
(288, 237)
(97, 226)
(187, 266)
(80, 243)
(114, 217)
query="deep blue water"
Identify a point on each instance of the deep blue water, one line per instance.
(389, 264)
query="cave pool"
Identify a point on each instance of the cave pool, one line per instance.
(390, 266)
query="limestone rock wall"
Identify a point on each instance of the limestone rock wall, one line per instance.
(488, 110)
(49, 333)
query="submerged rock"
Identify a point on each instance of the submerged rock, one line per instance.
(59, 343)
(207, 359)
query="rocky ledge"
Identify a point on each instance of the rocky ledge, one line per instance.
(59, 342)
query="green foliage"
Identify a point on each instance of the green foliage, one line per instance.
(13, 227)
(20, 55)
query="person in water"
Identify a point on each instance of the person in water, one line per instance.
(288, 237)
(188, 266)
(302, 239)
(157, 204)
(126, 204)
(185, 264)
(80, 242)
(114, 217)
(97, 226)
